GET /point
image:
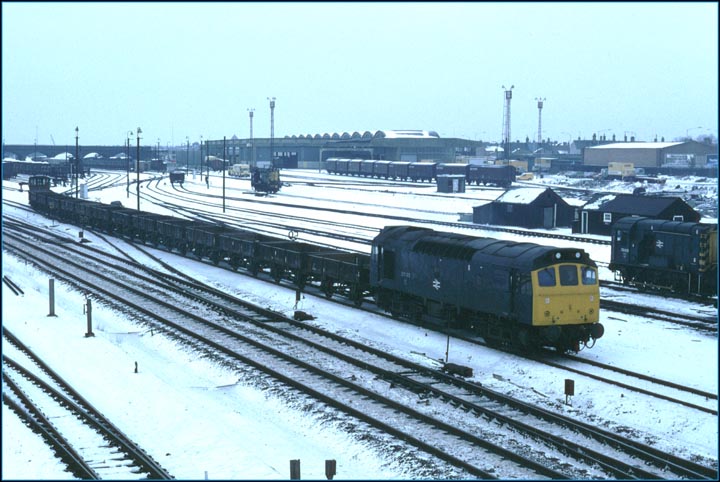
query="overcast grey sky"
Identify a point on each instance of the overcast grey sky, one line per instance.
(193, 69)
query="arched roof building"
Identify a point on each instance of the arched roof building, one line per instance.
(309, 151)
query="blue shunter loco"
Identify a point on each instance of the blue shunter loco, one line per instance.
(665, 255)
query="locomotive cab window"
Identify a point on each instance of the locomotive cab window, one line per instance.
(589, 276)
(546, 277)
(568, 275)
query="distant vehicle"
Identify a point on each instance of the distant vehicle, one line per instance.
(624, 171)
(177, 176)
(499, 175)
(239, 170)
(265, 179)
(39, 183)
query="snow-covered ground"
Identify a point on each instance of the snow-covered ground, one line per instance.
(226, 425)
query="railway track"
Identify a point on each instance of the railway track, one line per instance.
(414, 219)
(87, 442)
(430, 387)
(626, 376)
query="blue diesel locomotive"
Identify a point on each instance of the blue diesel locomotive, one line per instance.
(663, 255)
(518, 294)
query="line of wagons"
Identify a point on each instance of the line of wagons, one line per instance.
(499, 175)
(336, 272)
(412, 272)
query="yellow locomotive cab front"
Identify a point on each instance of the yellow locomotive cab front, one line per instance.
(565, 294)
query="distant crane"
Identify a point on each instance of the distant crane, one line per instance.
(53, 139)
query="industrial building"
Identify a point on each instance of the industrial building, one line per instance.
(651, 156)
(311, 150)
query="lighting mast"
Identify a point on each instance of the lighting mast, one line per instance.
(506, 121)
(540, 106)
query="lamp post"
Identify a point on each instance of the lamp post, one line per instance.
(137, 189)
(272, 128)
(127, 162)
(187, 154)
(77, 164)
(252, 142)
(201, 157)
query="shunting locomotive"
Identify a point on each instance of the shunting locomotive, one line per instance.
(265, 177)
(673, 256)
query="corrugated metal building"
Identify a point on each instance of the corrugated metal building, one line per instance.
(600, 212)
(650, 155)
(529, 207)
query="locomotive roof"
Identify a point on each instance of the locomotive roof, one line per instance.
(523, 256)
(653, 224)
(630, 203)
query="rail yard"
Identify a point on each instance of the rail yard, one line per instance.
(508, 417)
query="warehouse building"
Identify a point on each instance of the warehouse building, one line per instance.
(312, 150)
(654, 157)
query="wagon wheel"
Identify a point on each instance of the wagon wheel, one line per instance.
(327, 288)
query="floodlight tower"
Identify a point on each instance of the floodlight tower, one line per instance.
(540, 106)
(506, 121)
